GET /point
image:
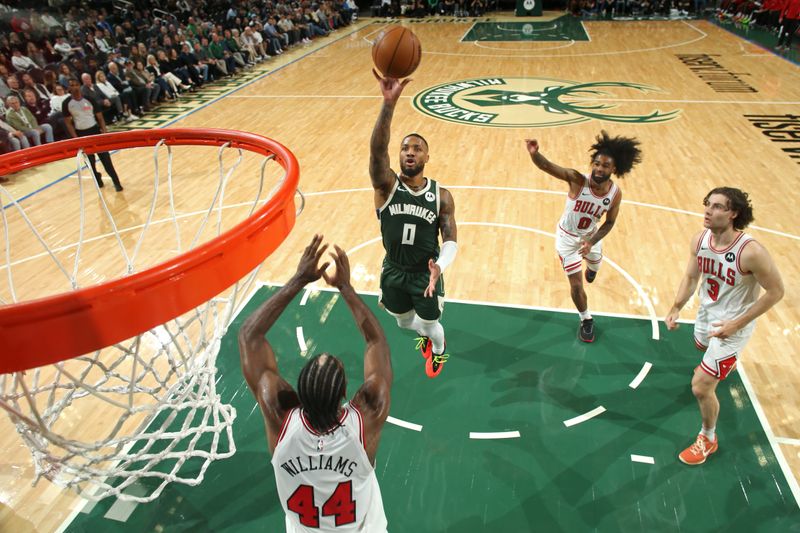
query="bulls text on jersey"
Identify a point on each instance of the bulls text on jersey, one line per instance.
(589, 208)
(709, 265)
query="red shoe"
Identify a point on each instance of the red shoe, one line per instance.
(697, 453)
(425, 346)
(435, 363)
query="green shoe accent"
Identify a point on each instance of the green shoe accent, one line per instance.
(439, 359)
(421, 341)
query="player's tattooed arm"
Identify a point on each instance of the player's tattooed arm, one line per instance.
(380, 172)
(447, 217)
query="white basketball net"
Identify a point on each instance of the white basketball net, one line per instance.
(131, 418)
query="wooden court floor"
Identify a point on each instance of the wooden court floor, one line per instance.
(709, 108)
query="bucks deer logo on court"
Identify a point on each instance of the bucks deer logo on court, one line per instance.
(534, 102)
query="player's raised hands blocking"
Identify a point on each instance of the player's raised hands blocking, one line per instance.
(342, 276)
(532, 145)
(391, 87)
(435, 271)
(307, 270)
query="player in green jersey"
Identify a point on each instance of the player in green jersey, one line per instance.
(413, 211)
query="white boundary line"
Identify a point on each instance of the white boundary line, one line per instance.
(84, 507)
(403, 423)
(494, 435)
(787, 441)
(567, 44)
(301, 341)
(643, 459)
(461, 40)
(641, 375)
(306, 294)
(787, 472)
(599, 410)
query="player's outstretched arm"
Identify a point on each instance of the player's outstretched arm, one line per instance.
(373, 398)
(570, 175)
(274, 394)
(755, 259)
(380, 171)
(449, 232)
(687, 286)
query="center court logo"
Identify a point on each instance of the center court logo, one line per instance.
(533, 102)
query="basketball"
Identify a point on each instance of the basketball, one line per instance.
(396, 52)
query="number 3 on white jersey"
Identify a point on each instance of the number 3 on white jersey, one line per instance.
(409, 231)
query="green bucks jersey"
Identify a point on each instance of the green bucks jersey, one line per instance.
(410, 225)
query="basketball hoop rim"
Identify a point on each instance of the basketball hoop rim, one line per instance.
(47, 330)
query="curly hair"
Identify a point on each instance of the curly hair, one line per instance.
(738, 201)
(623, 150)
(321, 387)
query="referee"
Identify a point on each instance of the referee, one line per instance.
(83, 117)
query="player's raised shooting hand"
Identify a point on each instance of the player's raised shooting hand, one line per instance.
(435, 271)
(391, 87)
(307, 269)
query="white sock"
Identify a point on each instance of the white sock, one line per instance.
(709, 433)
(435, 332)
(585, 315)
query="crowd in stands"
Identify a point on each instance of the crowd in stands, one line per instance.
(129, 60)
(637, 8)
(778, 16)
(423, 8)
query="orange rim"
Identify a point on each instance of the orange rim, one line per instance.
(52, 329)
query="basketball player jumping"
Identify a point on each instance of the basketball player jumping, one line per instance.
(323, 452)
(590, 197)
(412, 210)
(730, 266)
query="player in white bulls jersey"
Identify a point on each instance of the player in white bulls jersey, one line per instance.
(731, 268)
(323, 451)
(590, 198)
